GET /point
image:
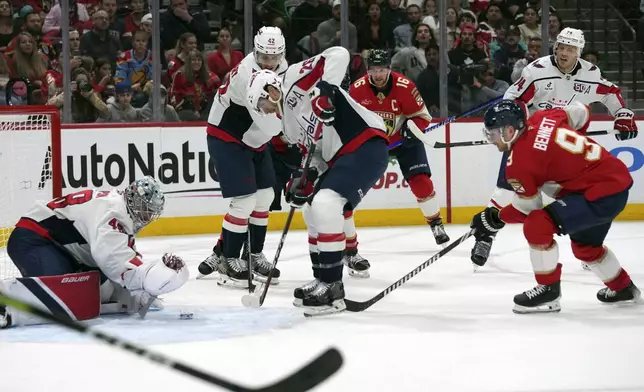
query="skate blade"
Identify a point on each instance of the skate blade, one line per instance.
(262, 279)
(359, 274)
(225, 281)
(337, 306)
(550, 307)
(298, 303)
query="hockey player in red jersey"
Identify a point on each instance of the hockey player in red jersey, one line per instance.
(66, 248)
(554, 82)
(396, 99)
(549, 153)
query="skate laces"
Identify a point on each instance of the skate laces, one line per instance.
(237, 265)
(540, 289)
(310, 285)
(609, 293)
(212, 260)
(482, 248)
(438, 229)
(320, 289)
(261, 262)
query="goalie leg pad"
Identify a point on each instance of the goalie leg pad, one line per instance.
(70, 297)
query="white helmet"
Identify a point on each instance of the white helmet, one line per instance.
(572, 37)
(258, 89)
(269, 47)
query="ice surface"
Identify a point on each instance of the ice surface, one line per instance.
(447, 329)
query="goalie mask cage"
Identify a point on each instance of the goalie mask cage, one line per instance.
(30, 167)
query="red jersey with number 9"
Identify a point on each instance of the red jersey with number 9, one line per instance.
(553, 154)
(398, 101)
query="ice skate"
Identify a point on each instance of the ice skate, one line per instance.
(357, 265)
(438, 230)
(630, 293)
(304, 290)
(481, 252)
(262, 268)
(233, 272)
(540, 299)
(209, 265)
(5, 318)
(326, 298)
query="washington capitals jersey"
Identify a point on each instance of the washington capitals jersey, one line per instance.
(543, 86)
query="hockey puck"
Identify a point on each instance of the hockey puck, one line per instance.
(250, 301)
(186, 315)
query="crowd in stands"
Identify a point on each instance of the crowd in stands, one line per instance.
(489, 42)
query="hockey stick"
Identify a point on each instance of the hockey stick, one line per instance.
(421, 134)
(304, 379)
(253, 301)
(353, 306)
(485, 142)
(251, 286)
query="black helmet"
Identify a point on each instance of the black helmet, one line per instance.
(378, 58)
(506, 112)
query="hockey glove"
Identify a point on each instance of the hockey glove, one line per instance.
(486, 223)
(173, 262)
(625, 124)
(322, 98)
(299, 189)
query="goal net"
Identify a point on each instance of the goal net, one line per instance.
(30, 167)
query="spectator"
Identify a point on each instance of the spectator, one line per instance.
(457, 5)
(452, 27)
(7, 27)
(530, 26)
(99, 42)
(393, 15)
(430, 12)
(120, 109)
(510, 52)
(114, 24)
(177, 20)
(74, 42)
(103, 81)
(404, 34)
(533, 53)
(146, 25)
(494, 16)
(555, 25)
(412, 61)
(193, 88)
(4, 81)
(486, 87)
(86, 104)
(374, 33)
(306, 17)
(468, 16)
(135, 68)
(498, 40)
(133, 20)
(33, 26)
(77, 17)
(53, 81)
(27, 62)
(465, 56)
(168, 114)
(328, 32)
(591, 55)
(428, 80)
(186, 43)
(224, 58)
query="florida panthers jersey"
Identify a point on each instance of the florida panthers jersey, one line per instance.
(353, 123)
(232, 117)
(543, 86)
(94, 226)
(552, 156)
(397, 102)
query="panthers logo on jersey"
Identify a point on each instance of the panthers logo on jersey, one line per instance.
(389, 120)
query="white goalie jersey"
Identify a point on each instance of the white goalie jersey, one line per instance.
(93, 226)
(543, 86)
(232, 118)
(353, 123)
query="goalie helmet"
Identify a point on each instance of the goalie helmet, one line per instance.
(145, 201)
(258, 89)
(269, 46)
(572, 37)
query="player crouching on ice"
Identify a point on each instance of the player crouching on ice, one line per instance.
(77, 252)
(592, 189)
(349, 156)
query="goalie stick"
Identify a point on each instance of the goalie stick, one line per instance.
(304, 379)
(485, 142)
(254, 301)
(354, 306)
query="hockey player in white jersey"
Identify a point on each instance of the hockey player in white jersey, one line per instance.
(554, 82)
(77, 251)
(237, 138)
(350, 155)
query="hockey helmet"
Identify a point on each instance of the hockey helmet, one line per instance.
(502, 114)
(378, 58)
(260, 96)
(269, 46)
(572, 37)
(145, 201)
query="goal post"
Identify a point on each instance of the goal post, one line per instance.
(30, 167)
